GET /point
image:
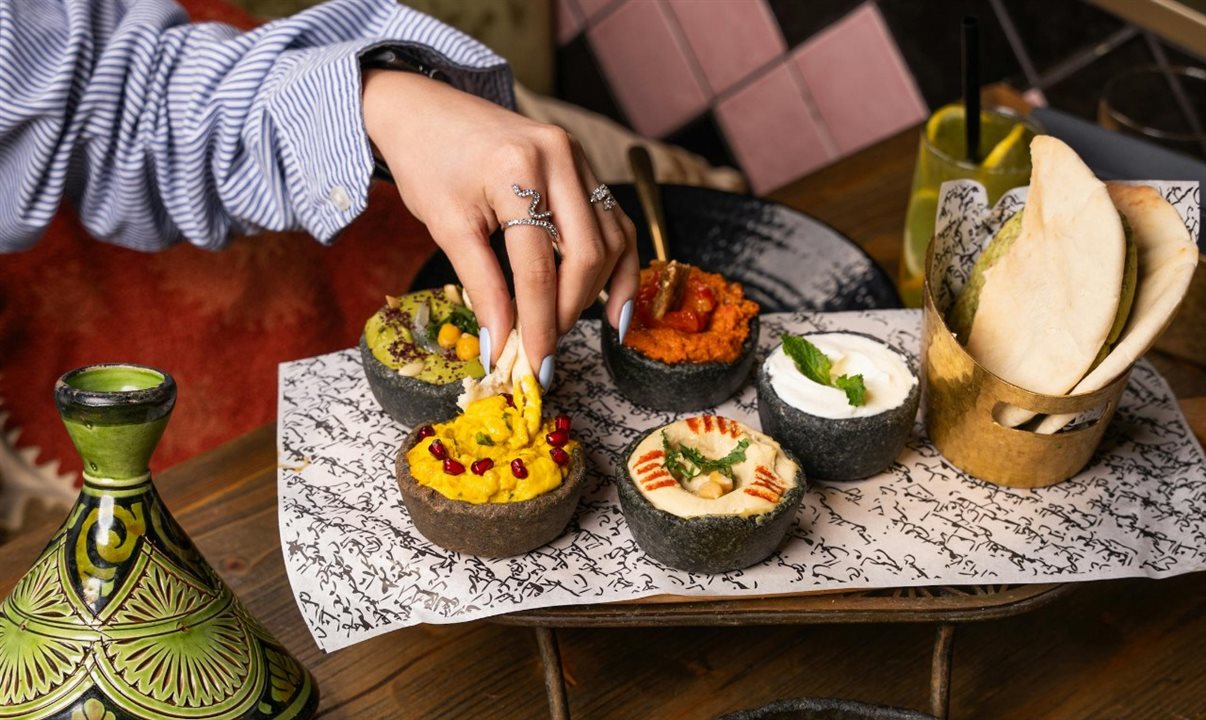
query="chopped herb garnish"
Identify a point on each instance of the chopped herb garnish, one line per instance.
(696, 464)
(813, 364)
(461, 317)
(676, 468)
(484, 439)
(464, 319)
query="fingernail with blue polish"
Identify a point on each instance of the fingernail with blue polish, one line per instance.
(625, 319)
(545, 376)
(487, 350)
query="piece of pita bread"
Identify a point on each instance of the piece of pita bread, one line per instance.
(1047, 305)
(509, 371)
(1167, 258)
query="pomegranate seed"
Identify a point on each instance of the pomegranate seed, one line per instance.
(557, 438)
(479, 467)
(510, 399)
(559, 455)
(562, 423)
(437, 449)
(426, 431)
(452, 467)
(518, 469)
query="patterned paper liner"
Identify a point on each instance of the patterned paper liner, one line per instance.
(358, 567)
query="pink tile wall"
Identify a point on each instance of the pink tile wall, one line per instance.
(591, 8)
(862, 87)
(783, 112)
(569, 20)
(729, 38)
(772, 132)
(647, 67)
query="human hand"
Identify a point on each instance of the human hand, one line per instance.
(454, 157)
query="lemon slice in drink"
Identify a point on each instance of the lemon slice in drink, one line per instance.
(1013, 151)
(945, 131)
(1008, 138)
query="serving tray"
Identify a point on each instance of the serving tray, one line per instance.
(358, 568)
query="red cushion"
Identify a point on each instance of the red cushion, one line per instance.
(220, 322)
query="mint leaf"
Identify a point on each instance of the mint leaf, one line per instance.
(484, 439)
(856, 391)
(813, 364)
(809, 360)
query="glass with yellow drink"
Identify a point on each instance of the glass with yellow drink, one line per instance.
(942, 156)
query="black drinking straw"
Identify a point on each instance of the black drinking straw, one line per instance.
(971, 86)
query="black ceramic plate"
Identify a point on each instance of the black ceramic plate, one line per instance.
(825, 709)
(786, 260)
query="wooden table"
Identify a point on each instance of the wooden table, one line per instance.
(1115, 649)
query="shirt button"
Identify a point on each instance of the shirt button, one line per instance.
(339, 198)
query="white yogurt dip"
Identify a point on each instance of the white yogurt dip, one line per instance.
(885, 374)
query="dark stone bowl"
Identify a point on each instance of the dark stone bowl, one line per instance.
(824, 709)
(490, 529)
(838, 448)
(679, 387)
(707, 544)
(405, 399)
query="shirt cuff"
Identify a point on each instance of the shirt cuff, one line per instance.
(315, 107)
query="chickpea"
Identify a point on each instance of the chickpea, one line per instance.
(449, 334)
(467, 347)
(726, 485)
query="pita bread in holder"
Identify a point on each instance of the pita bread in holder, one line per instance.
(962, 400)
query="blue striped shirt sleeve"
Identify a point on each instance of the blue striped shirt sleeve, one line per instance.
(158, 129)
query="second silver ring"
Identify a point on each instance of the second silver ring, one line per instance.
(602, 194)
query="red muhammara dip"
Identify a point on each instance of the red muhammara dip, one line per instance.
(710, 322)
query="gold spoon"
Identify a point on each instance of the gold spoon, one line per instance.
(674, 275)
(650, 196)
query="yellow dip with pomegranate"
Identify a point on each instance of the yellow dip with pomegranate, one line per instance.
(497, 451)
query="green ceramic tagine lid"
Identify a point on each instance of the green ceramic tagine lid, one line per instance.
(120, 617)
(115, 415)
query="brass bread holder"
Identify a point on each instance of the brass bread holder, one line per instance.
(959, 396)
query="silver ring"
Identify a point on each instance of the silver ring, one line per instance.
(534, 218)
(602, 194)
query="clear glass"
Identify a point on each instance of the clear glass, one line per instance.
(943, 158)
(1166, 106)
